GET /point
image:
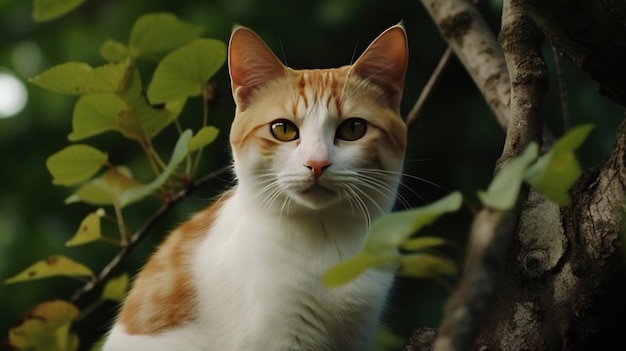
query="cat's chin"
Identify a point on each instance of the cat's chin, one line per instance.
(316, 197)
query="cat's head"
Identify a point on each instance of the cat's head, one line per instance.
(314, 138)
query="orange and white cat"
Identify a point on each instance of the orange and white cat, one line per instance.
(317, 156)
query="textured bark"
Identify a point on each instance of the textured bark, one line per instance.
(521, 42)
(590, 33)
(469, 36)
(493, 231)
(565, 281)
(562, 284)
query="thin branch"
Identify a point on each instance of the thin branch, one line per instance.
(140, 234)
(473, 42)
(560, 74)
(428, 88)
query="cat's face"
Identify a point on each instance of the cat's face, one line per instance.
(312, 138)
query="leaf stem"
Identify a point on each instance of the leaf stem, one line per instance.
(120, 224)
(207, 94)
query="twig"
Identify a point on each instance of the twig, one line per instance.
(428, 88)
(141, 233)
(473, 42)
(560, 74)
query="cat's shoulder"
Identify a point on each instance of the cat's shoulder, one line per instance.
(163, 294)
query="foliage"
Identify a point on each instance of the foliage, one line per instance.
(392, 232)
(112, 98)
(389, 243)
(45, 10)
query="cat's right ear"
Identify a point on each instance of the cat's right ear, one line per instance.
(251, 64)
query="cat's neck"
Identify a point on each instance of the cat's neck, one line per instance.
(340, 224)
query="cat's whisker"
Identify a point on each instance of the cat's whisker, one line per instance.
(403, 184)
(373, 178)
(383, 188)
(404, 175)
(346, 195)
(354, 192)
(370, 199)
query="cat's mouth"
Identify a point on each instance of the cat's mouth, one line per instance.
(317, 188)
(317, 196)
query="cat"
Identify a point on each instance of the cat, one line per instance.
(317, 157)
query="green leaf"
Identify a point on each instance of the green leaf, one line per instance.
(114, 51)
(50, 267)
(348, 270)
(153, 120)
(186, 70)
(155, 34)
(128, 113)
(75, 164)
(386, 339)
(95, 114)
(89, 229)
(108, 78)
(115, 288)
(45, 10)
(180, 151)
(46, 328)
(143, 121)
(387, 235)
(105, 189)
(424, 265)
(63, 78)
(504, 188)
(556, 172)
(204, 137)
(422, 242)
(80, 78)
(390, 231)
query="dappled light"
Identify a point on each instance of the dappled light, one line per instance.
(13, 95)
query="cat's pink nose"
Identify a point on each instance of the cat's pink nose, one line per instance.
(317, 167)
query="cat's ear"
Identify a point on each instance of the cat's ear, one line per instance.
(384, 63)
(251, 63)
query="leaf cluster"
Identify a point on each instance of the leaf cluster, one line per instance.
(113, 98)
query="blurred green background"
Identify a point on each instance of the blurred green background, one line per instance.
(453, 145)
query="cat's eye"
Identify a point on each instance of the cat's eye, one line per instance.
(284, 130)
(351, 129)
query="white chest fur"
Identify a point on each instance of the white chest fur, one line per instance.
(259, 282)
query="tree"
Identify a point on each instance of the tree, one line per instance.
(547, 277)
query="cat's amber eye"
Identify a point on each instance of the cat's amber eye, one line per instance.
(284, 130)
(351, 129)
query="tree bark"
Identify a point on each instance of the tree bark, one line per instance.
(562, 284)
(469, 36)
(590, 33)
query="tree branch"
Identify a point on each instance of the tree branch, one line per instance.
(428, 88)
(141, 233)
(493, 231)
(521, 43)
(469, 36)
(590, 34)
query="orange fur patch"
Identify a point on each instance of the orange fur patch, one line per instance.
(163, 295)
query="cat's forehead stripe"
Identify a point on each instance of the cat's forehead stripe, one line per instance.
(318, 86)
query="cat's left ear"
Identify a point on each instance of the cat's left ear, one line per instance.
(251, 64)
(384, 63)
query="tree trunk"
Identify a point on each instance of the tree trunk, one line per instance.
(562, 284)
